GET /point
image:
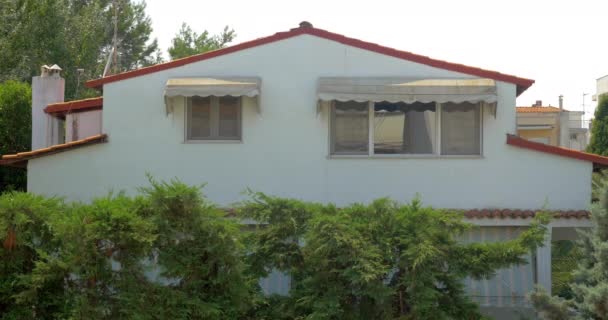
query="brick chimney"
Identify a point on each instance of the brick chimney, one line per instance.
(538, 103)
(46, 89)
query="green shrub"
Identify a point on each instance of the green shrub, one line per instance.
(378, 261)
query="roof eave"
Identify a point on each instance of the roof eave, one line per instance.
(521, 83)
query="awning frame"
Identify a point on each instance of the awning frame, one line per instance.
(211, 86)
(408, 90)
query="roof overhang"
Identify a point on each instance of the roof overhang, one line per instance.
(521, 83)
(20, 159)
(63, 108)
(598, 161)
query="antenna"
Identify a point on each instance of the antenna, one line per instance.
(584, 95)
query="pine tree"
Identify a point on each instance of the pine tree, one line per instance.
(187, 42)
(599, 129)
(590, 287)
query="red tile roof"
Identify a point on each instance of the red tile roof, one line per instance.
(597, 160)
(522, 83)
(538, 109)
(75, 106)
(515, 213)
(21, 158)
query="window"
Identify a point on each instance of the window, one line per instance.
(401, 128)
(350, 128)
(383, 128)
(213, 118)
(460, 129)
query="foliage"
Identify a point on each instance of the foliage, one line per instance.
(15, 130)
(564, 259)
(26, 232)
(599, 129)
(168, 253)
(165, 254)
(590, 286)
(187, 42)
(378, 261)
(75, 34)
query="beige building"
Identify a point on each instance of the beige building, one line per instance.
(552, 125)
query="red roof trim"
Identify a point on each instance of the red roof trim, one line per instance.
(21, 158)
(564, 152)
(76, 105)
(516, 213)
(522, 83)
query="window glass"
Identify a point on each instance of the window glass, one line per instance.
(350, 128)
(214, 118)
(460, 129)
(199, 118)
(401, 128)
(229, 122)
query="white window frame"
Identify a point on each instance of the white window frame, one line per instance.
(370, 148)
(214, 107)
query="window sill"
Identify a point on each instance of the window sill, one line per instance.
(404, 156)
(213, 141)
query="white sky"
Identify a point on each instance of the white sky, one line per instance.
(561, 44)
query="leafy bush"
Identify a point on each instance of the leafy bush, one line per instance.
(378, 261)
(168, 253)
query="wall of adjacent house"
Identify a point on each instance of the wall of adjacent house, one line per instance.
(539, 135)
(80, 125)
(540, 119)
(285, 148)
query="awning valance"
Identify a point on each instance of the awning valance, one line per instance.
(407, 90)
(205, 87)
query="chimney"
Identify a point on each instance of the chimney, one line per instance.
(561, 102)
(539, 103)
(46, 89)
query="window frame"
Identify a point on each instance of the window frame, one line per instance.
(214, 108)
(370, 149)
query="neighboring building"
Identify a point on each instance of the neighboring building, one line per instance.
(553, 126)
(602, 87)
(319, 116)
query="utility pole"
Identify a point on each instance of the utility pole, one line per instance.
(115, 38)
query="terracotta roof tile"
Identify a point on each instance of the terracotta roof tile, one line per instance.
(517, 213)
(538, 109)
(75, 106)
(522, 83)
(20, 159)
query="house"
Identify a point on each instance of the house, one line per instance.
(602, 87)
(319, 116)
(553, 125)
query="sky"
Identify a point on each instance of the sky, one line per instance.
(562, 45)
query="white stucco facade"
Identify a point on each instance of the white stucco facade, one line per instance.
(285, 148)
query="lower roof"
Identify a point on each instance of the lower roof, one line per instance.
(597, 160)
(20, 159)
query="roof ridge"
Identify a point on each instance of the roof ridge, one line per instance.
(522, 83)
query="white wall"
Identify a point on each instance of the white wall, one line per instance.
(88, 124)
(285, 148)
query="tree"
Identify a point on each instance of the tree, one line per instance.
(15, 130)
(590, 285)
(599, 129)
(187, 42)
(378, 261)
(75, 34)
